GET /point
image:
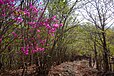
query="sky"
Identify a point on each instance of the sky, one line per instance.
(83, 15)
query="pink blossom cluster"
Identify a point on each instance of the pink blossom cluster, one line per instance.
(6, 7)
(25, 50)
(0, 39)
(38, 49)
(14, 34)
(43, 26)
(32, 17)
(6, 2)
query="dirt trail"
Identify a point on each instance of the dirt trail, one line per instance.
(76, 68)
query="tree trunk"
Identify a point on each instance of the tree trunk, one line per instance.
(96, 59)
(105, 53)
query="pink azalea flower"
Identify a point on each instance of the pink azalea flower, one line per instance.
(34, 51)
(40, 2)
(42, 49)
(12, 0)
(4, 15)
(48, 26)
(38, 30)
(52, 30)
(35, 10)
(8, 1)
(38, 49)
(61, 24)
(19, 19)
(27, 13)
(1, 2)
(54, 18)
(52, 34)
(0, 40)
(25, 39)
(43, 41)
(14, 34)
(42, 9)
(30, 5)
(31, 23)
(55, 25)
(22, 49)
(26, 52)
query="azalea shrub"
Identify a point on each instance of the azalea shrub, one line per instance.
(25, 27)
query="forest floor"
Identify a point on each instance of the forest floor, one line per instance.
(75, 68)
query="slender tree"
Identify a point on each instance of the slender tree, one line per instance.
(98, 12)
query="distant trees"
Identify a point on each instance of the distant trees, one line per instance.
(64, 13)
(98, 12)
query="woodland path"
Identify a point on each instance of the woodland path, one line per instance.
(75, 68)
